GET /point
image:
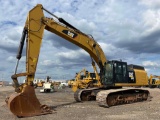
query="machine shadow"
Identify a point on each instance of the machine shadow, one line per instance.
(62, 105)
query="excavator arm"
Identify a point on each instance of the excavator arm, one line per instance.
(33, 31)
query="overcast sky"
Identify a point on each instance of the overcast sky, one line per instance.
(125, 29)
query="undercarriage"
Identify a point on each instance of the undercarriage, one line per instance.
(112, 97)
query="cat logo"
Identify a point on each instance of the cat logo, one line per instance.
(69, 33)
(131, 75)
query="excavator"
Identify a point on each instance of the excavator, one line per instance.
(154, 81)
(70, 82)
(113, 74)
(78, 81)
(87, 79)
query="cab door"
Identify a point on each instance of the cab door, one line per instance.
(120, 70)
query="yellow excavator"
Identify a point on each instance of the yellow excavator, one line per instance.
(113, 74)
(78, 81)
(70, 82)
(154, 81)
(87, 79)
(83, 80)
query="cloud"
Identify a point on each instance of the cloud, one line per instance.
(40, 71)
(73, 54)
(145, 44)
(11, 59)
(151, 4)
(70, 59)
(11, 37)
(150, 64)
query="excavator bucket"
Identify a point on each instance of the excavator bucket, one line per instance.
(26, 103)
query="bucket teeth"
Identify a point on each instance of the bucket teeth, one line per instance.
(45, 108)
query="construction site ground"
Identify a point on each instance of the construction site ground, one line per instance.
(65, 108)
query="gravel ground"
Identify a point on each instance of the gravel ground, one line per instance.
(65, 107)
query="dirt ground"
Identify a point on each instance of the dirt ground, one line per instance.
(65, 107)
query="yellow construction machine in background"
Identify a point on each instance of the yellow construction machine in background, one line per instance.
(70, 82)
(39, 82)
(154, 81)
(85, 79)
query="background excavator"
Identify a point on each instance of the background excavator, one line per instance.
(113, 74)
(70, 82)
(85, 79)
(78, 82)
(154, 81)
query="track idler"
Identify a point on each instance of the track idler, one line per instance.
(26, 104)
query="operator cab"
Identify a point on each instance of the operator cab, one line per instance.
(119, 72)
(115, 72)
